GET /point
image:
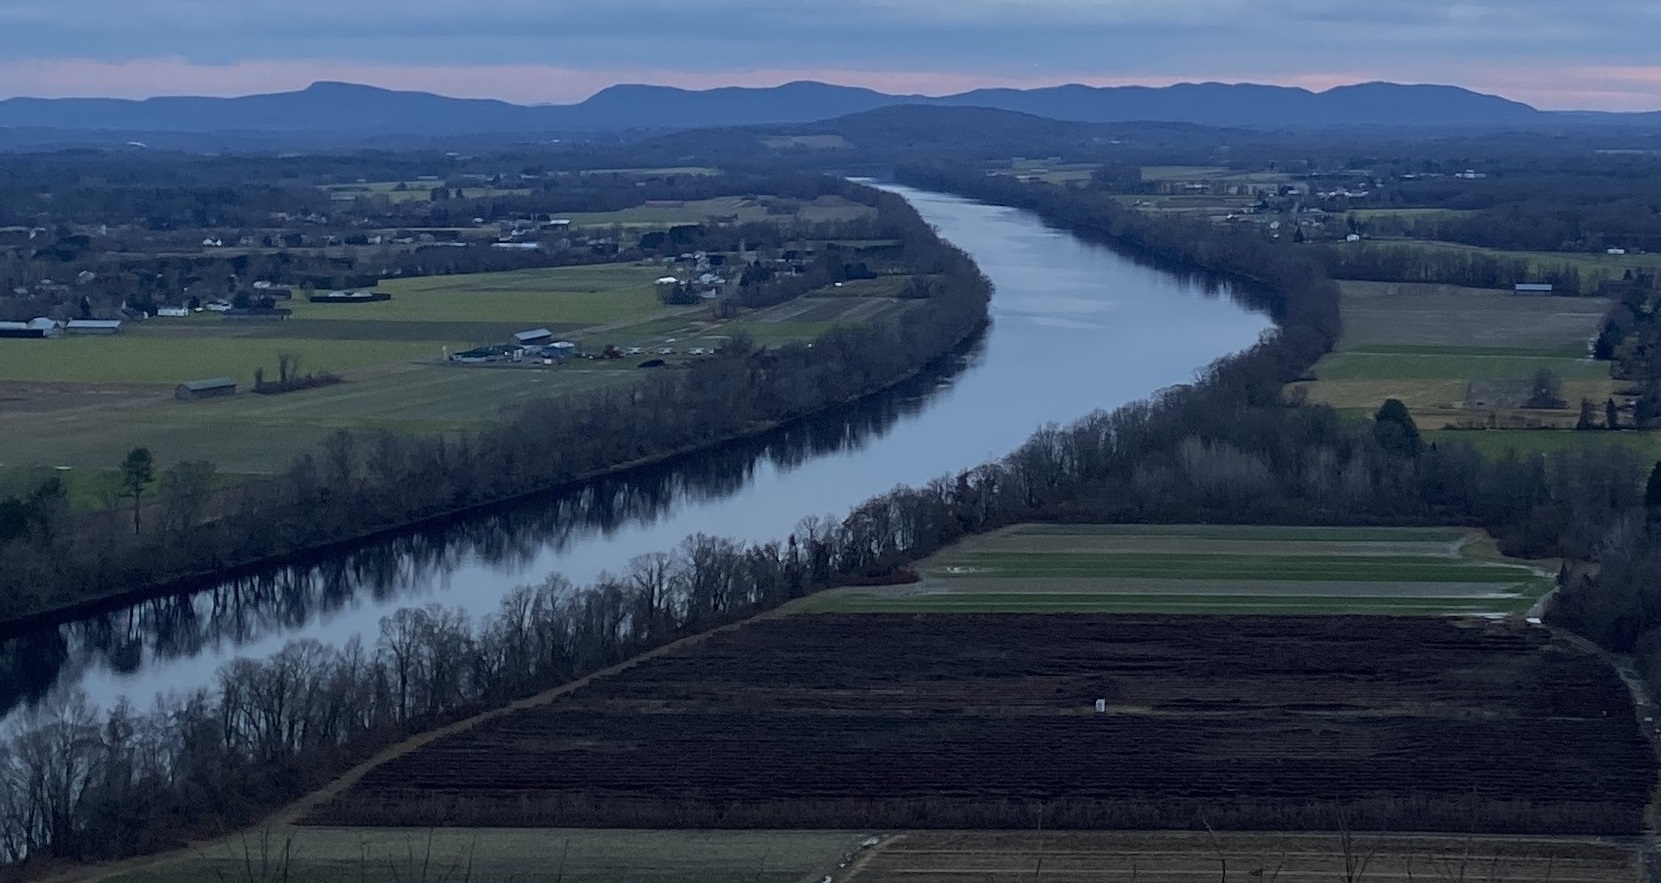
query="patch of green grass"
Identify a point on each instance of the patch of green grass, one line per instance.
(1592, 266)
(141, 358)
(499, 855)
(1407, 214)
(1305, 568)
(1022, 602)
(1645, 444)
(564, 295)
(1575, 351)
(1455, 365)
(1289, 533)
(700, 171)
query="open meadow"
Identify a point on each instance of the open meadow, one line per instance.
(950, 721)
(83, 402)
(1209, 569)
(1462, 357)
(1172, 857)
(1593, 267)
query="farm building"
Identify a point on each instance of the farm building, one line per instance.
(93, 326)
(173, 312)
(1532, 288)
(350, 297)
(36, 328)
(533, 337)
(191, 390)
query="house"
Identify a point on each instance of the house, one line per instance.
(1616, 251)
(93, 326)
(173, 312)
(534, 337)
(192, 390)
(1532, 288)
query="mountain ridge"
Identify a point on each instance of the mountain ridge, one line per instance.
(357, 108)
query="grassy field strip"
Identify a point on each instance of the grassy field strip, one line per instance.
(1222, 566)
(1241, 588)
(498, 855)
(1453, 365)
(1176, 545)
(1169, 857)
(1211, 569)
(1294, 533)
(1038, 602)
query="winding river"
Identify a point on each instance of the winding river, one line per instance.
(1075, 327)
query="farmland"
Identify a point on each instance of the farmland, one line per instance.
(1208, 569)
(1074, 857)
(1460, 357)
(355, 855)
(1592, 266)
(744, 208)
(85, 401)
(979, 721)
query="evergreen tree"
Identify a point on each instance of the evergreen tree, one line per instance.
(1395, 430)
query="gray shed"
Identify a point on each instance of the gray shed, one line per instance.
(191, 390)
(93, 326)
(533, 336)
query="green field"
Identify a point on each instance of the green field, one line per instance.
(1499, 443)
(87, 400)
(1210, 569)
(566, 295)
(1459, 356)
(1407, 214)
(417, 191)
(500, 855)
(1454, 363)
(1592, 266)
(146, 355)
(825, 208)
(1211, 173)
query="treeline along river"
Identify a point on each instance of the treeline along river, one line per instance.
(1075, 327)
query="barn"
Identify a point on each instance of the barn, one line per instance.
(533, 337)
(191, 390)
(93, 326)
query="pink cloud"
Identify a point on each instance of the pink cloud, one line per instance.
(1584, 87)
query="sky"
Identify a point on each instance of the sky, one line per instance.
(1591, 54)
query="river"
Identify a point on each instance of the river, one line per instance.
(1075, 327)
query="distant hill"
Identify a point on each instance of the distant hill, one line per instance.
(348, 108)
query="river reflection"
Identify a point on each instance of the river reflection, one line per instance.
(1075, 327)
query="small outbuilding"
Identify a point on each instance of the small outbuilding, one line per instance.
(534, 337)
(191, 390)
(1532, 288)
(93, 326)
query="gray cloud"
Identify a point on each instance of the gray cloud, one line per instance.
(1399, 39)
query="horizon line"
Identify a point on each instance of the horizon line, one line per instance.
(1599, 89)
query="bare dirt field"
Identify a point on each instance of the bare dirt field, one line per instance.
(1411, 313)
(979, 721)
(1071, 857)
